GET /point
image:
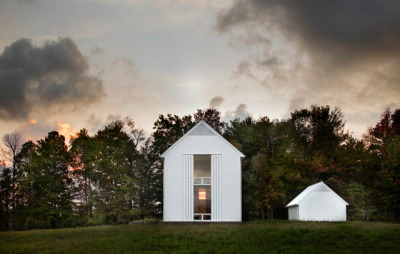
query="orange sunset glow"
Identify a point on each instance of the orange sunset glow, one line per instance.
(66, 130)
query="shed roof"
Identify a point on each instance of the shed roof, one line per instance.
(321, 186)
(202, 129)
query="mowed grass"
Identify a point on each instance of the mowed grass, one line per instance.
(249, 237)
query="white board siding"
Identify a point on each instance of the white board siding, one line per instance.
(318, 202)
(178, 188)
(231, 188)
(188, 187)
(192, 132)
(226, 177)
(173, 188)
(202, 145)
(216, 188)
(294, 212)
(322, 206)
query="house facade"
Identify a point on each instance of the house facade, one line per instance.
(202, 178)
(317, 202)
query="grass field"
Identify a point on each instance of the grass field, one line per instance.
(250, 237)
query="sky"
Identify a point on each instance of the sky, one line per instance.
(68, 65)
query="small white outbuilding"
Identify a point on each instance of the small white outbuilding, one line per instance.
(202, 178)
(317, 202)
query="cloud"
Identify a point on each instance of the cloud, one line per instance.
(333, 33)
(95, 123)
(343, 53)
(28, 1)
(111, 117)
(208, 4)
(268, 62)
(240, 112)
(54, 75)
(356, 24)
(128, 66)
(216, 101)
(96, 51)
(35, 129)
(244, 69)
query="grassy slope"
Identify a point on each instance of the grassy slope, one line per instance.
(251, 237)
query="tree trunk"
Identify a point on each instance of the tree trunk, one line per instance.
(13, 190)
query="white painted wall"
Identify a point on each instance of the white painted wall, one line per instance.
(293, 212)
(173, 188)
(322, 206)
(216, 183)
(231, 188)
(231, 203)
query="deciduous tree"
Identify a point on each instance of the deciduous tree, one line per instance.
(212, 117)
(13, 143)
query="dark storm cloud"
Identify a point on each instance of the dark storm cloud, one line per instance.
(368, 24)
(55, 74)
(341, 52)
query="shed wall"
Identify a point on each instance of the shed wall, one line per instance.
(293, 212)
(322, 206)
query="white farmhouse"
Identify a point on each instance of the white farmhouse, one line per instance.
(202, 178)
(317, 203)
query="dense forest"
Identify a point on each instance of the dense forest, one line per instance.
(115, 176)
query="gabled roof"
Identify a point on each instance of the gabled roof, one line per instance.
(202, 129)
(321, 186)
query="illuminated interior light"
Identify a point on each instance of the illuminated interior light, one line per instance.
(202, 194)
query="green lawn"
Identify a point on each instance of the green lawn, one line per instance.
(250, 237)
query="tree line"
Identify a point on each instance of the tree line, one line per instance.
(115, 176)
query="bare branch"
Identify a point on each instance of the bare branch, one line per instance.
(137, 133)
(13, 142)
(138, 136)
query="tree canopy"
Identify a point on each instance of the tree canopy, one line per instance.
(115, 175)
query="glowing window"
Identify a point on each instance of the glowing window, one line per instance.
(202, 194)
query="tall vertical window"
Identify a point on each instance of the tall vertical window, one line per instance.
(202, 187)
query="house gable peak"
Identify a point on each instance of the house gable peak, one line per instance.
(202, 129)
